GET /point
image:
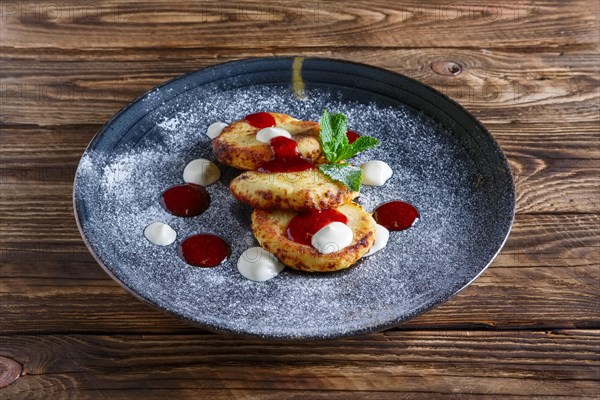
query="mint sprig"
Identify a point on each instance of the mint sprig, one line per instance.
(336, 148)
(334, 139)
(345, 173)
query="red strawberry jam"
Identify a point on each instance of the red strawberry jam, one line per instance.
(204, 250)
(396, 215)
(261, 120)
(287, 157)
(352, 136)
(187, 200)
(305, 224)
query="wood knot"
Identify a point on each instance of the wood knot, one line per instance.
(10, 370)
(449, 68)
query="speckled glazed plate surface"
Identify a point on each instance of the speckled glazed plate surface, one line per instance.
(444, 162)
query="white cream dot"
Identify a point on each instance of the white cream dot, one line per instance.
(382, 236)
(259, 265)
(201, 172)
(266, 134)
(160, 234)
(376, 173)
(332, 237)
(215, 129)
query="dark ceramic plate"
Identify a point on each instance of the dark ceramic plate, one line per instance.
(444, 161)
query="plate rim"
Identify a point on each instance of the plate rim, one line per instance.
(327, 336)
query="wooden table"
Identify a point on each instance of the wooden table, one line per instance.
(528, 328)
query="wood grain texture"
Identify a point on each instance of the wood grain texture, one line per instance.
(420, 364)
(547, 277)
(505, 86)
(526, 329)
(281, 24)
(555, 170)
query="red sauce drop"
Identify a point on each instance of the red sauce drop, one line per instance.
(287, 157)
(285, 148)
(204, 250)
(261, 120)
(187, 200)
(396, 215)
(305, 224)
(352, 136)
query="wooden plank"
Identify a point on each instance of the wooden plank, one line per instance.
(577, 140)
(33, 212)
(161, 63)
(29, 144)
(497, 86)
(398, 365)
(281, 24)
(528, 70)
(555, 169)
(546, 277)
(551, 185)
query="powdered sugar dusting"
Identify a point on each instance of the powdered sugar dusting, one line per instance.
(118, 187)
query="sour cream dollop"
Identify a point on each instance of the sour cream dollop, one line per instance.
(382, 236)
(332, 237)
(266, 134)
(375, 173)
(215, 129)
(259, 265)
(201, 172)
(160, 234)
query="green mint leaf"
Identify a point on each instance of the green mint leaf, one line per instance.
(345, 173)
(333, 136)
(334, 139)
(326, 136)
(361, 144)
(336, 148)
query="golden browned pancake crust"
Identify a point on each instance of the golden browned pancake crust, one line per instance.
(290, 190)
(270, 229)
(237, 145)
